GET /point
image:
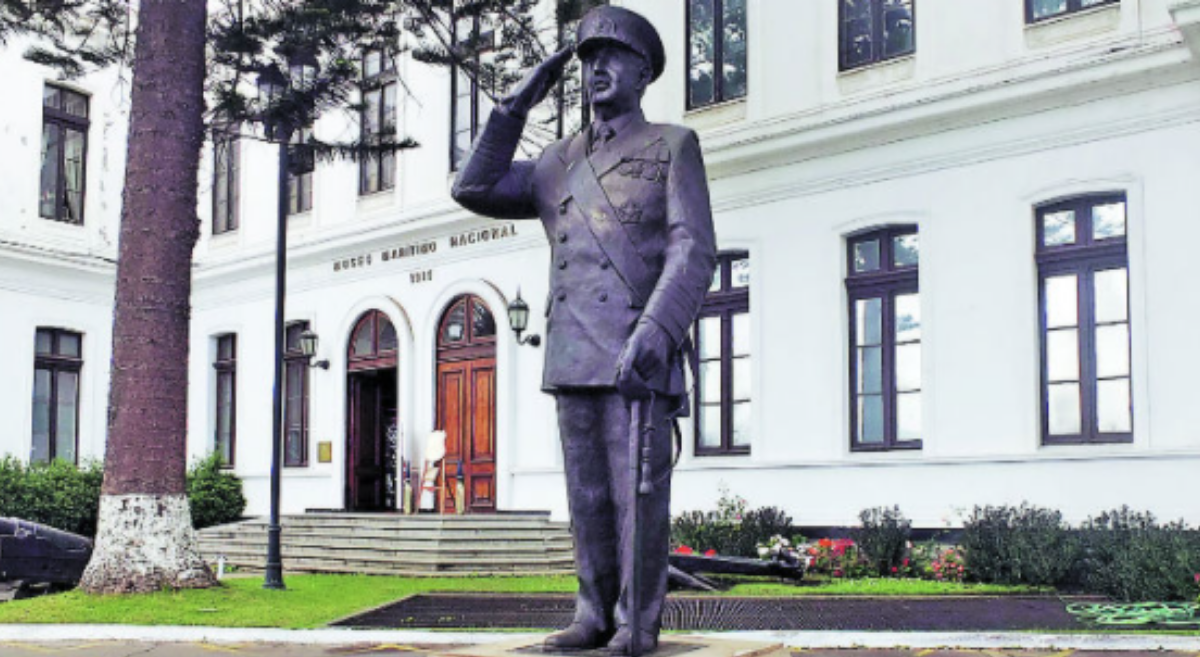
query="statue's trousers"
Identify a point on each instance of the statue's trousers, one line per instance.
(594, 428)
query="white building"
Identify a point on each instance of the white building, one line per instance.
(1036, 346)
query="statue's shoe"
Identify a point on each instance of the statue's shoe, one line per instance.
(577, 636)
(620, 642)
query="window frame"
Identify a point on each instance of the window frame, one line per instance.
(1073, 7)
(300, 185)
(885, 283)
(56, 363)
(295, 360)
(877, 56)
(65, 121)
(226, 367)
(1082, 258)
(226, 217)
(476, 36)
(719, 96)
(379, 83)
(725, 303)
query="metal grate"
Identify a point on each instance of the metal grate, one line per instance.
(692, 613)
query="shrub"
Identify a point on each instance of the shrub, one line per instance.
(215, 495)
(837, 557)
(1129, 556)
(731, 529)
(1019, 545)
(883, 538)
(66, 497)
(57, 494)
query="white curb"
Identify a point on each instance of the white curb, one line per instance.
(916, 640)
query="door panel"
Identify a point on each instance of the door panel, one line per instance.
(372, 410)
(467, 414)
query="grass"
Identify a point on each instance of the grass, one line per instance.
(874, 587)
(312, 601)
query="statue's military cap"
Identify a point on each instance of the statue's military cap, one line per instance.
(632, 30)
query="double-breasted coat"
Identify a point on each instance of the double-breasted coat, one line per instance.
(638, 245)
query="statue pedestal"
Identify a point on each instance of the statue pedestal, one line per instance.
(668, 646)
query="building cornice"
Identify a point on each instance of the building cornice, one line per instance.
(1048, 81)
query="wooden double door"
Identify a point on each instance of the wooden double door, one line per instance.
(466, 404)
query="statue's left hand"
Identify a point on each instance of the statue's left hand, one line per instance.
(643, 359)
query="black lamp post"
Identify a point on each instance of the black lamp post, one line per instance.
(308, 346)
(518, 319)
(272, 87)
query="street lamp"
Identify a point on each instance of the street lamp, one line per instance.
(518, 319)
(308, 347)
(273, 86)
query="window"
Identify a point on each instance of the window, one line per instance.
(226, 367)
(1083, 280)
(58, 358)
(716, 51)
(885, 340)
(873, 31)
(295, 398)
(1036, 10)
(64, 152)
(378, 172)
(226, 185)
(723, 369)
(300, 172)
(470, 100)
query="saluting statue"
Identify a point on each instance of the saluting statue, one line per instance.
(626, 209)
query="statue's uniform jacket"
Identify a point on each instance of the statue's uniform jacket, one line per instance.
(654, 180)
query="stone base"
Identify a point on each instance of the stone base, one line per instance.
(668, 646)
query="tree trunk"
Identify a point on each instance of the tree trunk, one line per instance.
(145, 540)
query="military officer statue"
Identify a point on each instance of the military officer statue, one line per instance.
(626, 209)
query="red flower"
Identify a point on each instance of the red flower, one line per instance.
(683, 549)
(1197, 577)
(905, 562)
(812, 551)
(825, 543)
(895, 570)
(837, 573)
(710, 553)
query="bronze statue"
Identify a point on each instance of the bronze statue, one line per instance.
(626, 209)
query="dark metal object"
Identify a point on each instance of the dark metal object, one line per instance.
(693, 613)
(273, 574)
(692, 564)
(633, 590)
(34, 554)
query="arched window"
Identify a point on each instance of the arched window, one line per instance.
(885, 339)
(467, 327)
(373, 342)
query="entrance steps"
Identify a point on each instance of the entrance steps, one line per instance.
(420, 545)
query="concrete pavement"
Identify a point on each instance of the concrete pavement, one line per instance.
(130, 641)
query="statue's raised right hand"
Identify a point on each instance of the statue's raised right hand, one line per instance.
(536, 84)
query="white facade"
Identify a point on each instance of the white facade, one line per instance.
(988, 119)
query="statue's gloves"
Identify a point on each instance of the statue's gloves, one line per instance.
(536, 84)
(643, 359)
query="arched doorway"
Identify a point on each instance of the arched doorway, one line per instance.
(371, 434)
(466, 401)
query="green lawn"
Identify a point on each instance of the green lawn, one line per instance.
(315, 600)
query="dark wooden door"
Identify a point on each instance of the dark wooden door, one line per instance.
(372, 411)
(466, 402)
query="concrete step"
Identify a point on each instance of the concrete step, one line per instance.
(396, 547)
(396, 544)
(381, 535)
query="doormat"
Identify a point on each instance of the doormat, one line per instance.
(689, 613)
